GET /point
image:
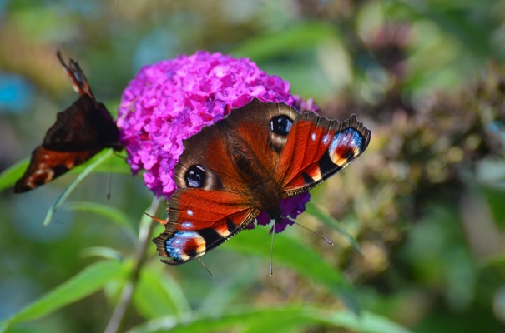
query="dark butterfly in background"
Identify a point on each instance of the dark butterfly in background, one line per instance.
(246, 163)
(80, 132)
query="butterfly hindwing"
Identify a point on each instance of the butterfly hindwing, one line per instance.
(244, 133)
(200, 220)
(46, 165)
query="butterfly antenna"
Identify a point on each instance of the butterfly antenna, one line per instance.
(157, 219)
(109, 182)
(272, 248)
(201, 262)
(109, 179)
(315, 233)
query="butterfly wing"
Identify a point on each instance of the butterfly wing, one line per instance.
(317, 148)
(79, 133)
(85, 125)
(199, 221)
(212, 203)
(76, 76)
(46, 165)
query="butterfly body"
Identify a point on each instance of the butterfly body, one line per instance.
(247, 175)
(80, 132)
(247, 163)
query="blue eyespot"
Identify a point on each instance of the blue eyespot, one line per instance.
(177, 243)
(355, 140)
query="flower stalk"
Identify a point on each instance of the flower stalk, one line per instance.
(145, 233)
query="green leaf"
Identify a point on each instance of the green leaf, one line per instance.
(455, 23)
(272, 319)
(9, 176)
(22, 328)
(103, 252)
(494, 260)
(70, 188)
(289, 251)
(115, 215)
(228, 288)
(158, 294)
(83, 284)
(115, 164)
(329, 221)
(304, 36)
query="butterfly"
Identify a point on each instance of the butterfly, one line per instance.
(80, 132)
(246, 163)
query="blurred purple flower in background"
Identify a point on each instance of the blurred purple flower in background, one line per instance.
(172, 100)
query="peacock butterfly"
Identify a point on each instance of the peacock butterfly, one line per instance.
(247, 163)
(79, 133)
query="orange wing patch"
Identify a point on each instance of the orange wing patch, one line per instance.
(46, 165)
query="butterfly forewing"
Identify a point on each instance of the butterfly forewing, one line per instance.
(76, 76)
(81, 127)
(317, 148)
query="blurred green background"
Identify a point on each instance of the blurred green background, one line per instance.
(425, 202)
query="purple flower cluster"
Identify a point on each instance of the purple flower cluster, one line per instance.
(172, 100)
(290, 208)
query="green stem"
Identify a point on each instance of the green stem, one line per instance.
(145, 231)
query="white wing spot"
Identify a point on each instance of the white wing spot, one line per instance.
(187, 224)
(313, 136)
(190, 212)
